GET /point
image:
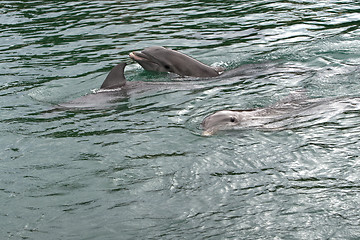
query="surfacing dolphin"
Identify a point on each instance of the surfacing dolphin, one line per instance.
(162, 59)
(287, 114)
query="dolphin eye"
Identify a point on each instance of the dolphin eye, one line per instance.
(166, 66)
(232, 119)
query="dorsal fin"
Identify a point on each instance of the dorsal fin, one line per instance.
(115, 79)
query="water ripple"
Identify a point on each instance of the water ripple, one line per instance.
(141, 167)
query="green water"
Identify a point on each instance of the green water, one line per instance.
(141, 169)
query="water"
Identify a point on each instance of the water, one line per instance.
(141, 169)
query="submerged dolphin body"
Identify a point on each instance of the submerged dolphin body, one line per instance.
(115, 88)
(162, 59)
(288, 114)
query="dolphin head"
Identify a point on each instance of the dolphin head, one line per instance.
(152, 59)
(162, 59)
(221, 120)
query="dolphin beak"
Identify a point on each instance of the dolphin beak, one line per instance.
(208, 133)
(137, 56)
(133, 56)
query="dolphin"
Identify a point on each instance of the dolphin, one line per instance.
(162, 59)
(115, 88)
(287, 114)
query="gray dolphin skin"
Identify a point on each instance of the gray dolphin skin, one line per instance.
(162, 59)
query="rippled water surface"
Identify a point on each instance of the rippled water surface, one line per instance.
(140, 169)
